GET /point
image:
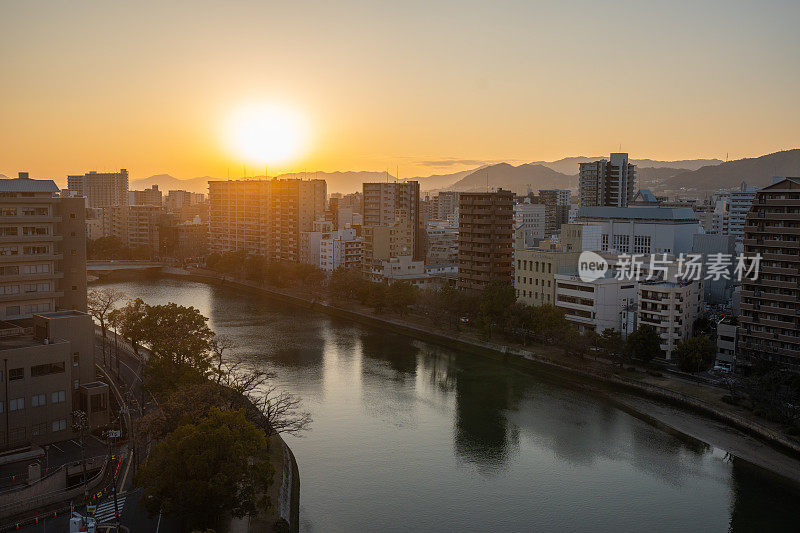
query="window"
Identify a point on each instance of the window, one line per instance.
(58, 397)
(16, 373)
(59, 425)
(1, 410)
(38, 400)
(72, 215)
(12, 310)
(604, 242)
(76, 357)
(39, 429)
(16, 404)
(97, 403)
(16, 435)
(47, 368)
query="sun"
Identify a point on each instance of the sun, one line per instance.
(266, 134)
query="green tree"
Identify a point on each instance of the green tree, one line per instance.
(494, 304)
(550, 324)
(695, 354)
(178, 333)
(130, 318)
(401, 295)
(611, 343)
(208, 470)
(644, 343)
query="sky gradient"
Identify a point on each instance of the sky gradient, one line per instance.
(426, 87)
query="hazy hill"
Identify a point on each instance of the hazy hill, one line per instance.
(517, 179)
(442, 181)
(757, 171)
(569, 165)
(166, 183)
(649, 177)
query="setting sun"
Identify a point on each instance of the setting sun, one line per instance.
(266, 134)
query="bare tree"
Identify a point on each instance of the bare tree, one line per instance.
(276, 411)
(280, 412)
(99, 303)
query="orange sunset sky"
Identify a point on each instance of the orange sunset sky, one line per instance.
(429, 87)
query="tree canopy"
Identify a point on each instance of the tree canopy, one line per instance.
(205, 471)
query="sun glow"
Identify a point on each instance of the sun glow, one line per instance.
(267, 134)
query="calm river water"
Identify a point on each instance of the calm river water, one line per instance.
(409, 436)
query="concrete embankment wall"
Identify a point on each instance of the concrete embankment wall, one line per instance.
(514, 356)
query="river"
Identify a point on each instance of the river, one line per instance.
(410, 436)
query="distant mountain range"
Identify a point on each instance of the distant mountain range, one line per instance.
(569, 165)
(757, 171)
(692, 175)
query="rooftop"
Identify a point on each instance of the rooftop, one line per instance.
(638, 213)
(27, 185)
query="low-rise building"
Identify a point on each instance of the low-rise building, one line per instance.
(403, 268)
(603, 303)
(535, 270)
(671, 307)
(48, 372)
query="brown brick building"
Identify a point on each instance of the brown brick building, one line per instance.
(769, 325)
(485, 239)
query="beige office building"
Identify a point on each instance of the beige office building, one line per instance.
(535, 271)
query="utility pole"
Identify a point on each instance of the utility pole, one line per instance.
(79, 423)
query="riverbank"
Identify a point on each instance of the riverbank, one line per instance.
(702, 402)
(284, 492)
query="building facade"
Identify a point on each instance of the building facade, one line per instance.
(101, 189)
(151, 196)
(485, 239)
(393, 204)
(607, 183)
(43, 249)
(643, 230)
(48, 372)
(534, 275)
(769, 324)
(264, 217)
(671, 307)
(556, 203)
(530, 223)
(603, 303)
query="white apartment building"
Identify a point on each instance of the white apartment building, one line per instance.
(730, 210)
(604, 303)
(671, 307)
(643, 230)
(530, 221)
(330, 249)
(403, 268)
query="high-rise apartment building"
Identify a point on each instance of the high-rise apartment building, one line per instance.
(770, 307)
(607, 183)
(388, 205)
(43, 249)
(485, 239)
(137, 226)
(264, 217)
(556, 204)
(530, 222)
(101, 189)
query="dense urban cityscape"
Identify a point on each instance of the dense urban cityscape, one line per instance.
(511, 266)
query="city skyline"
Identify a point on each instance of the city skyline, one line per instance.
(419, 89)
